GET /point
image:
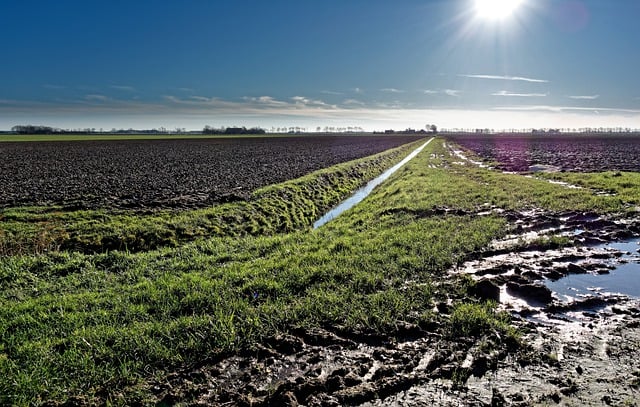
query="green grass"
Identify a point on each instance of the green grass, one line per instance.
(284, 207)
(102, 324)
(624, 186)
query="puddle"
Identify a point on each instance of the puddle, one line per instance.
(624, 279)
(363, 192)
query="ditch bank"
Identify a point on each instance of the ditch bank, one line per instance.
(573, 351)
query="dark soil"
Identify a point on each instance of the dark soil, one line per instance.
(168, 173)
(581, 153)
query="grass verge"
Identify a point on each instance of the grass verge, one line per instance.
(102, 324)
(284, 207)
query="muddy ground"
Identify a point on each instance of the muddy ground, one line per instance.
(581, 153)
(572, 353)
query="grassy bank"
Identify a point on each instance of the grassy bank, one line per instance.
(285, 207)
(102, 325)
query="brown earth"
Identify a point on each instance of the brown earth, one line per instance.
(581, 153)
(168, 173)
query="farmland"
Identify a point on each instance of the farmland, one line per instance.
(167, 173)
(579, 153)
(395, 301)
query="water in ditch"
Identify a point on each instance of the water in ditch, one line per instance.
(363, 192)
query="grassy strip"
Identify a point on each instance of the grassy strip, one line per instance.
(95, 324)
(624, 187)
(279, 208)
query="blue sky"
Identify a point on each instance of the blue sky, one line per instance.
(371, 63)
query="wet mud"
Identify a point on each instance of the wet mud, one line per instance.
(573, 351)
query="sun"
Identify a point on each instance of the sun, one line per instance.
(496, 9)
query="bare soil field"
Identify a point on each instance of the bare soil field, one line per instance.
(168, 173)
(581, 153)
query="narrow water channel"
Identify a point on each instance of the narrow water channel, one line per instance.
(363, 192)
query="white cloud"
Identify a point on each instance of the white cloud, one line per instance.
(526, 95)
(201, 98)
(353, 102)
(96, 97)
(448, 92)
(358, 90)
(196, 111)
(391, 90)
(124, 88)
(585, 97)
(559, 109)
(330, 92)
(301, 100)
(265, 101)
(506, 78)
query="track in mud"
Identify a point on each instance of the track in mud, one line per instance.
(168, 173)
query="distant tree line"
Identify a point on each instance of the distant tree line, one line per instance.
(233, 130)
(31, 129)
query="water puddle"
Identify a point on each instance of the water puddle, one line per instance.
(623, 279)
(363, 192)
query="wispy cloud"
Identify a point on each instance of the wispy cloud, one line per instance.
(123, 88)
(195, 112)
(330, 92)
(353, 102)
(585, 97)
(524, 95)
(391, 90)
(301, 100)
(265, 101)
(96, 98)
(358, 90)
(506, 78)
(53, 87)
(559, 109)
(448, 92)
(201, 98)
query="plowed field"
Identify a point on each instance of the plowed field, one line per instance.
(168, 173)
(580, 153)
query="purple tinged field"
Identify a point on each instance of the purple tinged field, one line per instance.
(580, 153)
(168, 173)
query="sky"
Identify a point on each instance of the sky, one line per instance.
(375, 64)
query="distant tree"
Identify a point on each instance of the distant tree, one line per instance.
(31, 129)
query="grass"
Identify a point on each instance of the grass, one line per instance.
(284, 207)
(623, 187)
(103, 324)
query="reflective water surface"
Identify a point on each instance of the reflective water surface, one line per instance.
(624, 279)
(363, 192)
